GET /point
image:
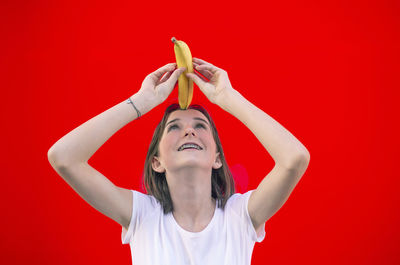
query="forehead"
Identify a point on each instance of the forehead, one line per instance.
(186, 114)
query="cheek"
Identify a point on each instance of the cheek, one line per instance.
(166, 144)
(211, 142)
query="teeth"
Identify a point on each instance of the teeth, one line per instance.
(189, 146)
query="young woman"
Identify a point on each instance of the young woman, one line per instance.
(191, 213)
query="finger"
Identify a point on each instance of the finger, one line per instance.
(198, 60)
(199, 82)
(162, 70)
(166, 76)
(175, 75)
(201, 61)
(208, 67)
(204, 72)
(202, 77)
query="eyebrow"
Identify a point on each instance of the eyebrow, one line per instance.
(195, 118)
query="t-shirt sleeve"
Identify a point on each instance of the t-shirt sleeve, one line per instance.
(239, 203)
(142, 205)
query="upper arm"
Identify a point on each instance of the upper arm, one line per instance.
(99, 191)
(273, 192)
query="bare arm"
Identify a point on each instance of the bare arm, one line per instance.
(290, 156)
(82, 142)
(69, 156)
(284, 148)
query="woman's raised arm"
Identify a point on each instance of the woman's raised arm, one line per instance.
(290, 155)
(69, 155)
(82, 142)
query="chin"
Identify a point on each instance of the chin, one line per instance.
(192, 164)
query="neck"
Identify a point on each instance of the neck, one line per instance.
(190, 191)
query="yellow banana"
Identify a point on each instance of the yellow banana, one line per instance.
(185, 85)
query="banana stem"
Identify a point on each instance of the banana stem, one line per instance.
(173, 40)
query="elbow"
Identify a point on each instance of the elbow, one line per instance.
(298, 162)
(59, 159)
(51, 156)
(301, 162)
(302, 157)
(306, 156)
(54, 158)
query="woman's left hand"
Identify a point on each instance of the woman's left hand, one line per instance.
(218, 87)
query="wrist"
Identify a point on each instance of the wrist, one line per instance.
(141, 104)
(227, 99)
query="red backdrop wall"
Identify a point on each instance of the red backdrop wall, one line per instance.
(327, 72)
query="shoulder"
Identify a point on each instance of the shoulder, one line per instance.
(238, 200)
(145, 198)
(237, 205)
(144, 206)
(144, 202)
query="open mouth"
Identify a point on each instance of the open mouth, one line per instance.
(190, 149)
(190, 146)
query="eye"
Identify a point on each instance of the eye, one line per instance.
(201, 125)
(172, 126)
(176, 126)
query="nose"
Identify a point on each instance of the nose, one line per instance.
(189, 130)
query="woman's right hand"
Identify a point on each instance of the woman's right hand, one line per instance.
(155, 90)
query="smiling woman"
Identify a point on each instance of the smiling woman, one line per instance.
(191, 213)
(222, 184)
(191, 208)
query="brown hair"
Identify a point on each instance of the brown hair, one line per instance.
(222, 183)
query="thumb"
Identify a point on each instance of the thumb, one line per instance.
(169, 85)
(196, 79)
(175, 75)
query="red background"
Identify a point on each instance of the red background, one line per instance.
(327, 72)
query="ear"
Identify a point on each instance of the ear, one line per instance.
(217, 164)
(156, 165)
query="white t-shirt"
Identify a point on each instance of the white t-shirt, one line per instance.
(157, 239)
